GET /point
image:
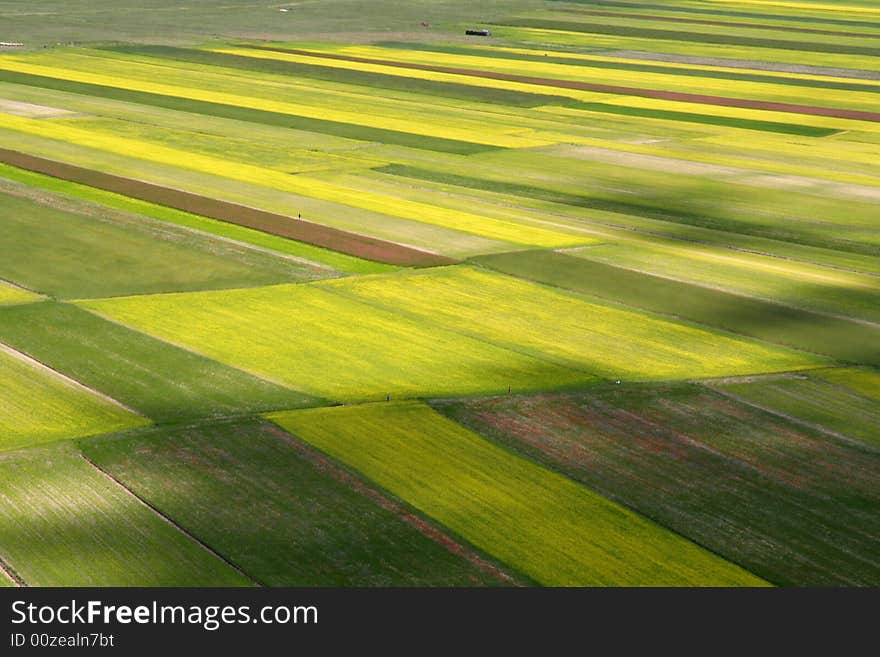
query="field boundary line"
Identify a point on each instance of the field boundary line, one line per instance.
(9, 571)
(855, 442)
(171, 522)
(426, 527)
(38, 364)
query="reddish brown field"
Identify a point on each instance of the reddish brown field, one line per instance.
(702, 99)
(350, 243)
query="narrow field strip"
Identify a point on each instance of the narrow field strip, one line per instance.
(331, 238)
(815, 401)
(243, 109)
(513, 55)
(161, 381)
(726, 12)
(718, 23)
(308, 186)
(296, 70)
(11, 294)
(66, 249)
(692, 37)
(795, 506)
(63, 523)
(282, 512)
(555, 531)
(701, 99)
(39, 405)
(836, 337)
(239, 235)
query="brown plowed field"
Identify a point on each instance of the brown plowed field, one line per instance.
(327, 237)
(745, 103)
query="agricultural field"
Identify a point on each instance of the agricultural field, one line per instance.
(280, 512)
(12, 294)
(788, 503)
(844, 402)
(65, 523)
(159, 380)
(538, 522)
(299, 294)
(40, 405)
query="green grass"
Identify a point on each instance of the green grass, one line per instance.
(63, 523)
(246, 491)
(836, 337)
(534, 520)
(319, 342)
(11, 295)
(164, 382)
(822, 401)
(95, 253)
(39, 406)
(794, 506)
(338, 261)
(573, 330)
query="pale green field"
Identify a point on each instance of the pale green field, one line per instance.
(11, 295)
(543, 524)
(315, 340)
(39, 406)
(64, 523)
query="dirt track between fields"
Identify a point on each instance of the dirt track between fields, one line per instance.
(723, 101)
(327, 237)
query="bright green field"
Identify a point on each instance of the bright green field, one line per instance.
(824, 400)
(321, 343)
(162, 381)
(85, 251)
(39, 406)
(11, 295)
(247, 491)
(837, 337)
(536, 521)
(64, 523)
(575, 330)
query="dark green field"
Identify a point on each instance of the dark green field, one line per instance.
(792, 505)
(164, 382)
(286, 516)
(96, 252)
